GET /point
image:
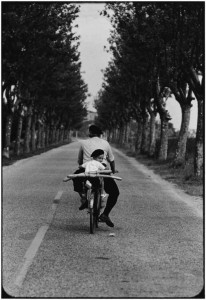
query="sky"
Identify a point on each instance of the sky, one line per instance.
(94, 30)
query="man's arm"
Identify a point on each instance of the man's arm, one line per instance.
(110, 156)
(112, 165)
(101, 167)
(80, 156)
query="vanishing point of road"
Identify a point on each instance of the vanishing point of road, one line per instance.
(155, 250)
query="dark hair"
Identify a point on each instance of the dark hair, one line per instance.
(97, 152)
(93, 129)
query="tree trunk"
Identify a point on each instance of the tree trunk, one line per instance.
(129, 135)
(61, 135)
(27, 131)
(54, 135)
(145, 136)
(57, 137)
(51, 134)
(33, 134)
(197, 87)
(114, 135)
(182, 138)
(120, 135)
(65, 136)
(43, 135)
(111, 135)
(152, 136)
(18, 135)
(107, 135)
(162, 155)
(126, 131)
(47, 136)
(39, 135)
(9, 120)
(69, 135)
(138, 140)
(198, 160)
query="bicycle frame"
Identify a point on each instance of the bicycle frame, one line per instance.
(94, 204)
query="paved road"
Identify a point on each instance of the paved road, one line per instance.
(157, 249)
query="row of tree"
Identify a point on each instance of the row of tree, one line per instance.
(42, 88)
(158, 50)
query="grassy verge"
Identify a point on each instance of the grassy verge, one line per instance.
(182, 177)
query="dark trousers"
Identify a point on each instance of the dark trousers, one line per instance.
(79, 182)
(110, 188)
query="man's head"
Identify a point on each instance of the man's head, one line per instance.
(98, 155)
(94, 131)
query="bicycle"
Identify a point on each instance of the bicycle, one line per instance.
(93, 193)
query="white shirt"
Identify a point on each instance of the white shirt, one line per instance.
(93, 166)
(91, 144)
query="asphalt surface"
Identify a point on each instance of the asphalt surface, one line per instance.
(155, 250)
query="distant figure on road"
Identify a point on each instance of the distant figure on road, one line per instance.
(86, 149)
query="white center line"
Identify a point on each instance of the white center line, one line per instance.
(30, 254)
(58, 195)
(35, 244)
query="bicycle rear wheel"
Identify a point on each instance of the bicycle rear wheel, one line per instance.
(91, 212)
(97, 207)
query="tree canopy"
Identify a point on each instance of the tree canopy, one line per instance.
(40, 58)
(158, 50)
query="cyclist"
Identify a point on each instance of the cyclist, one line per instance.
(94, 165)
(87, 147)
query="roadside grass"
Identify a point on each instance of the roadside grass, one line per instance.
(183, 177)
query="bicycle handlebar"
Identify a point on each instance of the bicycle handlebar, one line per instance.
(90, 174)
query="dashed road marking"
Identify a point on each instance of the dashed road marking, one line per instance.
(58, 196)
(30, 254)
(35, 244)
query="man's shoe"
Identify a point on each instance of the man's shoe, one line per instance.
(106, 219)
(83, 205)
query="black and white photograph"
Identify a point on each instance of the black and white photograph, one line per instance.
(102, 126)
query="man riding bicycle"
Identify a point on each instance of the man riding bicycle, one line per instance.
(86, 149)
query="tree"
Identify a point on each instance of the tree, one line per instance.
(158, 47)
(41, 61)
